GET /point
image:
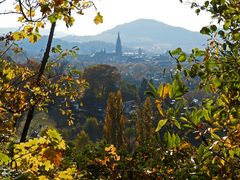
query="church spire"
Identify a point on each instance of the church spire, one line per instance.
(119, 46)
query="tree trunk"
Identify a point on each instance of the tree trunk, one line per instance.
(40, 74)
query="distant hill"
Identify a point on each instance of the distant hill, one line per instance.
(85, 47)
(37, 48)
(151, 35)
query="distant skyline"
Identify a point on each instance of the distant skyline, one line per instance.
(116, 12)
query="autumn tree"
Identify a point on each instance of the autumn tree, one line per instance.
(38, 158)
(34, 15)
(144, 123)
(25, 88)
(215, 121)
(114, 120)
(102, 80)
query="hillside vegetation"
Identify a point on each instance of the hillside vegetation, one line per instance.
(58, 122)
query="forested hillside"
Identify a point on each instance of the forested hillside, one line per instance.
(108, 121)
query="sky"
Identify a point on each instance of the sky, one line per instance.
(116, 12)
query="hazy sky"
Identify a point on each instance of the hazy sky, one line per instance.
(117, 12)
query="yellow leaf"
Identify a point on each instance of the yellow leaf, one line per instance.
(36, 89)
(42, 178)
(40, 24)
(170, 171)
(17, 8)
(185, 146)
(20, 19)
(52, 133)
(159, 107)
(48, 165)
(222, 162)
(67, 174)
(86, 4)
(28, 29)
(98, 18)
(62, 145)
(110, 148)
(11, 75)
(161, 123)
(165, 92)
(33, 38)
(70, 122)
(17, 36)
(31, 13)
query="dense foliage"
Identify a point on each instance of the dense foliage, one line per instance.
(167, 136)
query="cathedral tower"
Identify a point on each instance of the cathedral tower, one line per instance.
(119, 46)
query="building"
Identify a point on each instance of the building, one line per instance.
(118, 46)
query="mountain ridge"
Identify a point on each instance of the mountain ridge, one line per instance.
(149, 34)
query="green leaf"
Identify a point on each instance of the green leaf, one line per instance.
(188, 125)
(160, 90)
(177, 124)
(221, 33)
(173, 140)
(200, 150)
(152, 88)
(231, 153)
(179, 66)
(169, 140)
(182, 57)
(206, 3)
(175, 51)
(149, 93)
(52, 18)
(216, 82)
(200, 53)
(205, 30)
(197, 11)
(170, 91)
(161, 123)
(236, 36)
(213, 28)
(227, 24)
(177, 141)
(184, 119)
(186, 72)
(4, 159)
(206, 114)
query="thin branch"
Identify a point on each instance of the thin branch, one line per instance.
(9, 12)
(2, 1)
(4, 52)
